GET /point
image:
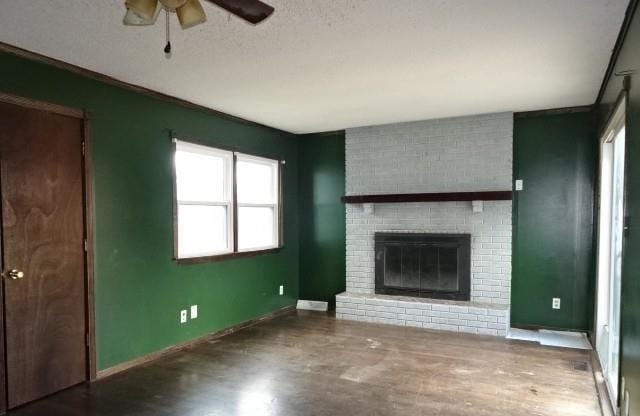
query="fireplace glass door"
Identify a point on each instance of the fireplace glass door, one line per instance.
(424, 265)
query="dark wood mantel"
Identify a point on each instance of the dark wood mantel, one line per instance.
(429, 197)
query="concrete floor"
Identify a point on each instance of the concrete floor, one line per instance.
(311, 364)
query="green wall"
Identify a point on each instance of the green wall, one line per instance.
(553, 252)
(629, 59)
(322, 216)
(139, 289)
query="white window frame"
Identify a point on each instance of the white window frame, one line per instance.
(275, 205)
(230, 201)
(608, 283)
(228, 195)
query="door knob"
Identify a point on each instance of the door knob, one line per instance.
(16, 274)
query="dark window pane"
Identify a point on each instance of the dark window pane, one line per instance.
(429, 268)
(393, 266)
(411, 267)
(448, 262)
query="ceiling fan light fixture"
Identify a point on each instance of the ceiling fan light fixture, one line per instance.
(145, 9)
(191, 14)
(132, 18)
(173, 4)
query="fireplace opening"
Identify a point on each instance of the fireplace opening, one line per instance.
(434, 266)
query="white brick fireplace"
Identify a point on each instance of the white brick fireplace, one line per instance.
(464, 154)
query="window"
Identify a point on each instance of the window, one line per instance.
(204, 190)
(214, 219)
(257, 184)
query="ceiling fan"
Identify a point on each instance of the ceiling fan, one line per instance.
(190, 12)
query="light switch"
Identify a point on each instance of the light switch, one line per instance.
(519, 185)
(194, 311)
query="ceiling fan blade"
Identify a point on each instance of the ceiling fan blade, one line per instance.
(253, 11)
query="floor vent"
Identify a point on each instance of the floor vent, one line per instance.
(579, 365)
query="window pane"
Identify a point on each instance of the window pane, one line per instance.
(255, 227)
(202, 230)
(200, 177)
(256, 182)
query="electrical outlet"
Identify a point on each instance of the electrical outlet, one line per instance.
(194, 311)
(183, 316)
(519, 185)
(281, 290)
(555, 304)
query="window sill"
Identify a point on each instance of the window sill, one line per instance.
(228, 256)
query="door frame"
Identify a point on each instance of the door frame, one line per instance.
(88, 221)
(621, 105)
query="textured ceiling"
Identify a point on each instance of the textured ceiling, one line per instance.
(326, 65)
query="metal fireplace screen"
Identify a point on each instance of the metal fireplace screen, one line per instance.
(425, 265)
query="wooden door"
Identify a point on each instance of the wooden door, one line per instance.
(41, 181)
